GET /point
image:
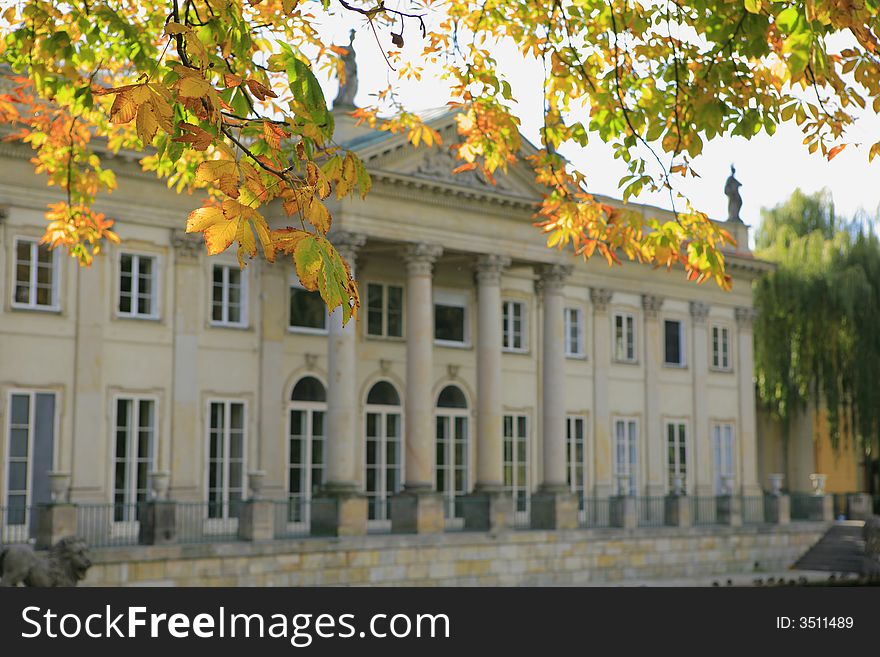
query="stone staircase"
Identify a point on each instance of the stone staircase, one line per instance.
(840, 550)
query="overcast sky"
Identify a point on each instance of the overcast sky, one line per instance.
(769, 168)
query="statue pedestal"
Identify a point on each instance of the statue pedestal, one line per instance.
(54, 522)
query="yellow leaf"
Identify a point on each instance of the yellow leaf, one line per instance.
(318, 215)
(219, 173)
(147, 124)
(262, 230)
(193, 86)
(247, 245)
(219, 236)
(203, 218)
(124, 108)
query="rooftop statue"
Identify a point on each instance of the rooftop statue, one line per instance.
(348, 90)
(734, 200)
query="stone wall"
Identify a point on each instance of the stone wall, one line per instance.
(536, 558)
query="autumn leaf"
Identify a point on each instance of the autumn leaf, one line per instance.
(259, 90)
(222, 174)
(193, 134)
(147, 123)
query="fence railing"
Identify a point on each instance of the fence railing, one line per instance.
(107, 525)
(596, 512)
(291, 517)
(207, 522)
(753, 510)
(801, 506)
(704, 510)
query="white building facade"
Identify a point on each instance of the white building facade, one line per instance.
(481, 362)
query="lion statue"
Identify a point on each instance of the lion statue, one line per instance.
(63, 565)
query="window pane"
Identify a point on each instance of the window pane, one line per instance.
(20, 409)
(18, 443)
(673, 341)
(449, 323)
(374, 309)
(395, 311)
(307, 310)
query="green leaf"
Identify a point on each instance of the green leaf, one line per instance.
(307, 91)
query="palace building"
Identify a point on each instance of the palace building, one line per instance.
(487, 379)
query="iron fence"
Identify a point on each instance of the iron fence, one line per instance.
(801, 506)
(753, 510)
(704, 510)
(206, 522)
(108, 525)
(596, 512)
(292, 517)
(651, 511)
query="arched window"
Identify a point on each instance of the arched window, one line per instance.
(383, 443)
(307, 410)
(451, 474)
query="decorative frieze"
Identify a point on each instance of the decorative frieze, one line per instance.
(600, 298)
(699, 312)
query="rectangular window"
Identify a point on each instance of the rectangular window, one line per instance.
(384, 310)
(29, 458)
(676, 456)
(575, 426)
(228, 293)
(36, 284)
(624, 337)
(137, 286)
(133, 455)
(308, 313)
(721, 347)
(625, 456)
(574, 333)
(516, 461)
(673, 340)
(450, 319)
(513, 326)
(722, 446)
(226, 460)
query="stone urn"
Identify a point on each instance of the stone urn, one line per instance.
(727, 484)
(256, 479)
(677, 485)
(776, 483)
(59, 486)
(159, 481)
(818, 482)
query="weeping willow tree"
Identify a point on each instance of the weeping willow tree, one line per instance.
(817, 338)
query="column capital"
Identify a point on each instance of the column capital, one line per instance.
(4, 213)
(489, 267)
(187, 246)
(552, 277)
(699, 311)
(651, 304)
(420, 258)
(600, 298)
(745, 317)
(348, 243)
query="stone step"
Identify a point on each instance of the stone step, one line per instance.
(840, 550)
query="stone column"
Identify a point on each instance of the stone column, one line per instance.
(418, 508)
(655, 448)
(603, 448)
(702, 448)
(488, 508)
(748, 447)
(341, 508)
(183, 460)
(554, 506)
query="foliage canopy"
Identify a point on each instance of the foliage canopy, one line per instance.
(223, 95)
(816, 338)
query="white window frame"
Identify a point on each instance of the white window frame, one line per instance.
(577, 315)
(459, 300)
(451, 492)
(227, 413)
(365, 308)
(625, 357)
(131, 448)
(507, 330)
(717, 360)
(682, 343)
(514, 487)
(381, 465)
(4, 492)
(295, 284)
(579, 488)
(155, 278)
(675, 468)
(724, 454)
(224, 301)
(630, 466)
(307, 467)
(32, 304)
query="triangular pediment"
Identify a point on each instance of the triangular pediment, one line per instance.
(435, 164)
